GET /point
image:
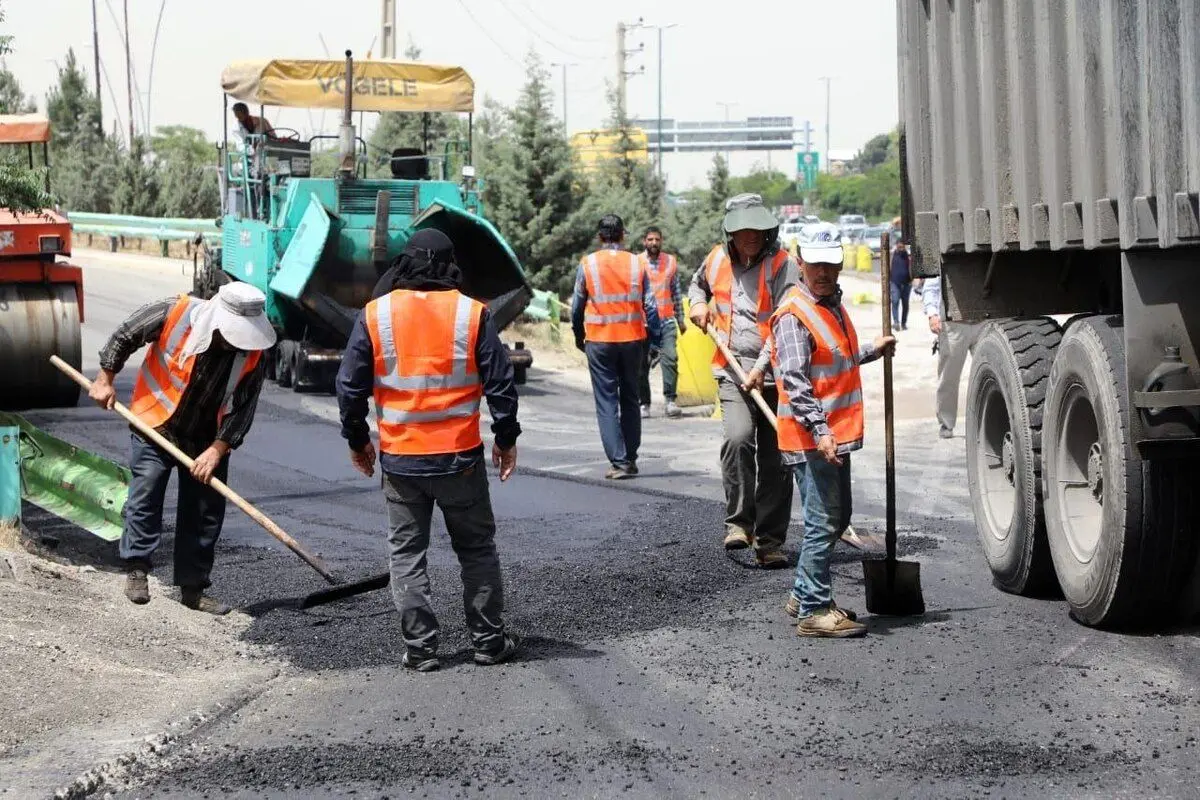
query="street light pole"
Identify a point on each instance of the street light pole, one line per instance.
(828, 81)
(661, 28)
(564, 65)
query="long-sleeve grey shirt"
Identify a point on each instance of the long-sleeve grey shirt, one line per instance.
(745, 341)
(579, 306)
(796, 344)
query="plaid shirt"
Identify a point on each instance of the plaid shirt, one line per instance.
(796, 344)
(193, 426)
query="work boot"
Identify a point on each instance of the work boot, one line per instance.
(512, 643)
(194, 598)
(829, 623)
(137, 587)
(673, 411)
(792, 609)
(418, 662)
(771, 559)
(737, 538)
(619, 473)
(646, 412)
(946, 433)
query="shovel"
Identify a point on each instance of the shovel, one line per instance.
(893, 587)
(848, 536)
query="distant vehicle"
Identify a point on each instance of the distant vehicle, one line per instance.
(790, 232)
(850, 223)
(872, 237)
(810, 219)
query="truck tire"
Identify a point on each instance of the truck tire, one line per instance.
(1007, 389)
(1121, 530)
(283, 362)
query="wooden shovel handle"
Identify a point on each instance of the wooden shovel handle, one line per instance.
(755, 394)
(183, 458)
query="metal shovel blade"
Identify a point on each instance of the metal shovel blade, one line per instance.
(893, 588)
(344, 590)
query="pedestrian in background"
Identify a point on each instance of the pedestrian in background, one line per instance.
(901, 278)
(955, 341)
(427, 354)
(817, 358)
(735, 290)
(614, 314)
(663, 270)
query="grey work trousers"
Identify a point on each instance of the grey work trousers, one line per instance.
(758, 486)
(955, 343)
(467, 509)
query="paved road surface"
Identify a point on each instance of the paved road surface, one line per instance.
(656, 665)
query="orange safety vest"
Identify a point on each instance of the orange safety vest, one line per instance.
(719, 272)
(165, 373)
(614, 311)
(661, 281)
(427, 384)
(834, 373)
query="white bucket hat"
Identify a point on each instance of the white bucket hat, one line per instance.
(238, 312)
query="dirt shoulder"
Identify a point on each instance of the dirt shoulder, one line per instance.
(93, 683)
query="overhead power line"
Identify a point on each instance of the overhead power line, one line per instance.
(557, 32)
(549, 42)
(488, 34)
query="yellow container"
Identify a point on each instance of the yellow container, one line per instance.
(696, 385)
(864, 258)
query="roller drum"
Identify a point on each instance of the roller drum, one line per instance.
(36, 322)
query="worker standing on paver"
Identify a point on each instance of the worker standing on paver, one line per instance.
(613, 314)
(198, 386)
(817, 356)
(955, 341)
(736, 290)
(663, 270)
(428, 354)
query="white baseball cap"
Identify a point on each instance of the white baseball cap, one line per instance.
(821, 243)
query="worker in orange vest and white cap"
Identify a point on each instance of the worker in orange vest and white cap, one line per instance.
(198, 386)
(738, 287)
(428, 355)
(613, 313)
(817, 356)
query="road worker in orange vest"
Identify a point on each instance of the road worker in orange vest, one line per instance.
(736, 290)
(817, 355)
(428, 355)
(198, 386)
(663, 270)
(613, 315)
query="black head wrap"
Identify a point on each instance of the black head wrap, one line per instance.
(427, 264)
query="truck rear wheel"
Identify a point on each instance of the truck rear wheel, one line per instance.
(1010, 367)
(1121, 529)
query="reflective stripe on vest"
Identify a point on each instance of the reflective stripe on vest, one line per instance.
(427, 387)
(834, 373)
(662, 280)
(719, 271)
(164, 375)
(614, 311)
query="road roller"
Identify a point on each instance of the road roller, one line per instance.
(317, 243)
(41, 294)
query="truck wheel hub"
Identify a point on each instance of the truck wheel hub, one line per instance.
(1095, 468)
(1008, 459)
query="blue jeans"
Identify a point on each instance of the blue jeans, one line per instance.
(668, 362)
(826, 501)
(199, 515)
(900, 297)
(615, 367)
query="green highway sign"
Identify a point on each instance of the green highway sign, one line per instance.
(807, 166)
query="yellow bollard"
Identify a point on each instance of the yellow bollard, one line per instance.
(864, 258)
(696, 385)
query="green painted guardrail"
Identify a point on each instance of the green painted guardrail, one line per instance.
(164, 230)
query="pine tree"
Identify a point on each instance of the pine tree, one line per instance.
(12, 97)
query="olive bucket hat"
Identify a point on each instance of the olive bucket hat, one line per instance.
(747, 212)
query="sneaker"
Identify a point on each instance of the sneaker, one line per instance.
(946, 433)
(831, 623)
(137, 587)
(196, 600)
(419, 663)
(673, 411)
(736, 538)
(512, 643)
(619, 474)
(645, 412)
(792, 609)
(631, 468)
(771, 559)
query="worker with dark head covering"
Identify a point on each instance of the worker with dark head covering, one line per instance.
(613, 312)
(428, 355)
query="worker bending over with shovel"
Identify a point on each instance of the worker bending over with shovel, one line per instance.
(736, 290)
(817, 356)
(428, 354)
(198, 386)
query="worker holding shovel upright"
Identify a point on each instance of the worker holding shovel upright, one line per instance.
(816, 355)
(735, 292)
(198, 386)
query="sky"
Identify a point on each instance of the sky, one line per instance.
(761, 57)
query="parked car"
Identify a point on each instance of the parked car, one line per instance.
(851, 223)
(872, 237)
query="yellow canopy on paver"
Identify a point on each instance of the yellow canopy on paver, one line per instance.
(379, 85)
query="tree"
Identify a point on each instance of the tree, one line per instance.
(20, 187)
(84, 163)
(138, 183)
(188, 179)
(12, 97)
(72, 108)
(694, 224)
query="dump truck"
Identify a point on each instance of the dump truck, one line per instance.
(41, 293)
(316, 245)
(1050, 171)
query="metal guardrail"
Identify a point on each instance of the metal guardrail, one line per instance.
(116, 227)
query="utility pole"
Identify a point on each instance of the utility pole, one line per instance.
(828, 81)
(564, 65)
(622, 56)
(96, 67)
(387, 30)
(128, 74)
